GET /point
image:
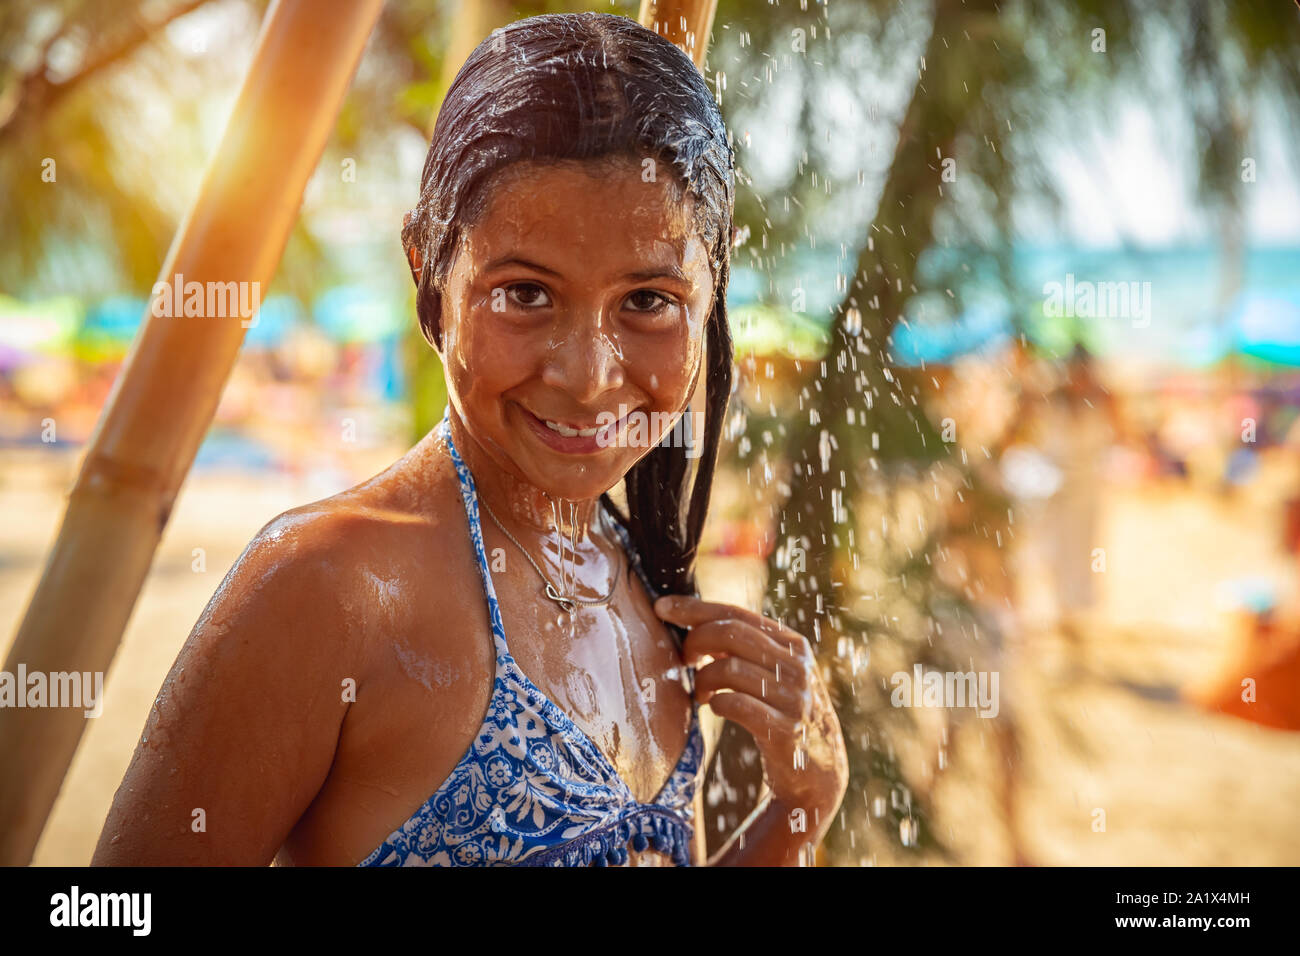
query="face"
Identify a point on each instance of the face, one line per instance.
(573, 322)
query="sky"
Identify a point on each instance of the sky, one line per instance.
(1126, 185)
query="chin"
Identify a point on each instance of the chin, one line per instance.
(573, 482)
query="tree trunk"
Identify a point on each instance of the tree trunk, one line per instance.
(824, 448)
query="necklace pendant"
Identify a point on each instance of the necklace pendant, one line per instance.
(567, 603)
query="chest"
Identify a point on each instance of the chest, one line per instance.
(615, 671)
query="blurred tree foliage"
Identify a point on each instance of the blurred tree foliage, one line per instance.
(861, 452)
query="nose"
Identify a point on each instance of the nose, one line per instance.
(585, 364)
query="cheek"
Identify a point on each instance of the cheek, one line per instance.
(482, 365)
(665, 369)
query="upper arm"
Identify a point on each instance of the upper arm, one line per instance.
(244, 729)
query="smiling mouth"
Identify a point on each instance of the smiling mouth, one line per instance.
(574, 438)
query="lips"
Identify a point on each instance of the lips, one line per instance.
(570, 437)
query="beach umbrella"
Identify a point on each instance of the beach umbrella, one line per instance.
(110, 326)
(765, 330)
(355, 313)
(984, 326)
(1267, 326)
(28, 329)
(273, 322)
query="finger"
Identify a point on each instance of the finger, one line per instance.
(738, 674)
(719, 638)
(687, 611)
(761, 719)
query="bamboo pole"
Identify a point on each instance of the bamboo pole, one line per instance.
(167, 392)
(686, 23)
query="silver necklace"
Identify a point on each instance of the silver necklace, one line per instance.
(568, 602)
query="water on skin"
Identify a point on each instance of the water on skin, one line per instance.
(601, 644)
(597, 641)
(573, 544)
(423, 669)
(633, 702)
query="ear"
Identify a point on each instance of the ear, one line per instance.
(414, 257)
(416, 261)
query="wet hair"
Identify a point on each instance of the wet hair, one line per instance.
(593, 87)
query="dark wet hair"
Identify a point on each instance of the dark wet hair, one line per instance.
(593, 86)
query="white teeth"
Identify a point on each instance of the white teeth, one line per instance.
(568, 432)
(557, 427)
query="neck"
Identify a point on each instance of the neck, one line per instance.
(518, 504)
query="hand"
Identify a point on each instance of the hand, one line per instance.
(764, 677)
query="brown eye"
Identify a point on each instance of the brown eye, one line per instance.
(530, 295)
(647, 300)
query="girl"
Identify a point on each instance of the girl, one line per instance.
(477, 657)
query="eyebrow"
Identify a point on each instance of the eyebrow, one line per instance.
(517, 261)
(666, 272)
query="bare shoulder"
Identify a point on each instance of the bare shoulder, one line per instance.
(357, 558)
(260, 686)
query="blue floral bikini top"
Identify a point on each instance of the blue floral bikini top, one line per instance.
(532, 789)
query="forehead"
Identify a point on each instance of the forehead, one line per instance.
(588, 214)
